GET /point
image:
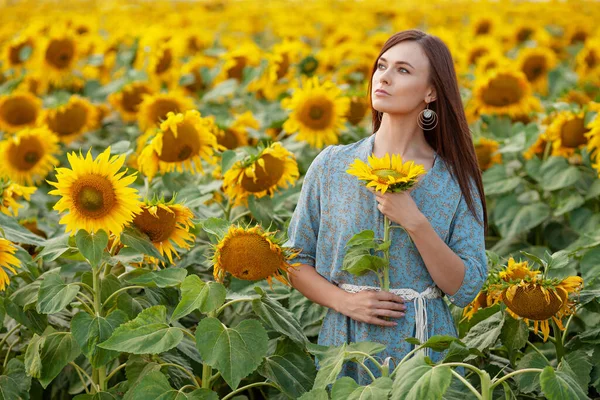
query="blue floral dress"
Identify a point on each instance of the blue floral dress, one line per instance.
(333, 206)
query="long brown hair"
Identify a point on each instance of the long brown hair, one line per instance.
(451, 138)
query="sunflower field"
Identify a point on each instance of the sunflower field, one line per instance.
(153, 152)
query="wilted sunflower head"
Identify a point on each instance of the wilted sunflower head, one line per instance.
(8, 262)
(29, 155)
(127, 101)
(18, 111)
(69, 121)
(167, 225)
(487, 153)
(95, 194)
(262, 174)
(154, 108)
(252, 254)
(387, 173)
(10, 192)
(567, 133)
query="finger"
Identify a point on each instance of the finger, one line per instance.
(381, 322)
(388, 296)
(391, 305)
(388, 313)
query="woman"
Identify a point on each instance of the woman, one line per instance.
(444, 214)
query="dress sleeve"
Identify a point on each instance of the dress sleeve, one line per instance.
(467, 240)
(303, 230)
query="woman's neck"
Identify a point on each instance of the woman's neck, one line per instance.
(400, 134)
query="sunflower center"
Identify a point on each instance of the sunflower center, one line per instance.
(530, 302)
(161, 107)
(524, 34)
(26, 154)
(483, 28)
(60, 52)
(18, 111)
(15, 53)
(70, 120)
(265, 178)
(158, 228)
(476, 54)
(384, 173)
(484, 156)
(534, 67)
(591, 60)
(249, 256)
(93, 195)
(283, 66)
(236, 72)
(579, 37)
(165, 62)
(198, 83)
(572, 133)
(502, 91)
(182, 147)
(132, 98)
(317, 113)
(358, 108)
(228, 139)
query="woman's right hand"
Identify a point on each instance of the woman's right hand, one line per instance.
(368, 306)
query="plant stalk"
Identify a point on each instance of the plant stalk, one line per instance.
(558, 343)
(386, 255)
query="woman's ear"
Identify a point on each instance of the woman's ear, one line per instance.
(431, 96)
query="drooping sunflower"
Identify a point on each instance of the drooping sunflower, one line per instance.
(387, 173)
(8, 262)
(252, 254)
(29, 155)
(10, 192)
(154, 108)
(18, 111)
(536, 63)
(70, 120)
(487, 154)
(262, 174)
(567, 132)
(503, 92)
(166, 224)
(127, 101)
(317, 112)
(95, 194)
(183, 141)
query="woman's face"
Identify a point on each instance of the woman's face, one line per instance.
(403, 72)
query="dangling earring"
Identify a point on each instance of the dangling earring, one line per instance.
(427, 119)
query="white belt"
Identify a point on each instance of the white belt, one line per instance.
(432, 292)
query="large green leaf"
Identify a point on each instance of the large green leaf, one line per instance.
(346, 388)
(514, 333)
(528, 217)
(315, 394)
(235, 352)
(358, 259)
(558, 385)
(58, 350)
(162, 278)
(29, 318)
(530, 381)
(33, 360)
(14, 383)
(148, 333)
(484, 334)
(135, 239)
(559, 176)
(54, 294)
(55, 247)
(278, 317)
(17, 233)
(577, 364)
(415, 379)
(96, 396)
(154, 385)
(330, 366)
(92, 245)
(197, 294)
(88, 331)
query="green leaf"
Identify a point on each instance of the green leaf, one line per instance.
(216, 226)
(96, 396)
(364, 238)
(514, 333)
(590, 264)
(54, 248)
(135, 239)
(441, 342)
(17, 233)
(58, 350)
(360, 261)
(347, 389)
(529, 381)
(154, 385)
(14, 383)
(54, 294)
(33, 360)
(92, 245)
(559, 176)
(163, 278)
(315, 394)
(528, 217)
(197, 294)
(568, 203)
(279, 318)
(148, 333)
(29, 318)
(579, 366)
(417, 380)
(330, 366)
(235, 352)
(88, 331)
(502, 186)
(484, 334)
(227, 160)
(558, 385)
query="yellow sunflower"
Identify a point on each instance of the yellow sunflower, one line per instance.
(567, 132)
(261, 174)
(252, 254)
(236, 135)
(593, 136)
(359, 108)
(317, 112)
(8, 262)
(166, 224)
(587, 61)
(487, 154)
(502, 92)
(191, 79)
(58, 55)
(18, 52)
(71, 120)
(154, 108)
(538, 148)
(95, 193)
(10, 192)
(536, 63)
(183, 141)
(29, 155)
(18, 111)
(236, 59)
(387, 173)
(127, 101)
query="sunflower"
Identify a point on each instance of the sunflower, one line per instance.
(538, 148)
(18, 111)
(8, 262)
(29, 155)
(154, 108)
(587, 61)
(317, 112)
(58, 55)
(261, 174)
(183, 141)
(536, 63)
(252, 254)
(161, 63)
(71, 120)
(10, 192)
(567, 132)
(593, 136)
(166, 224)
(127, 101)
(95, 193)
(17, 52)
(487, 154)
(191, 79)
(503, 92)
(236, 135)
(387, 173)
(359, 105)
(236, 59)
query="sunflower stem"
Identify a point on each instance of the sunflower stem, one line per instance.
(386, 255)
(8, 334)
(466, 383)
(230, 395)
(119, 291)
(558, 343)
(207, 369)
(220, 309)
(547, 150)
(100, 373)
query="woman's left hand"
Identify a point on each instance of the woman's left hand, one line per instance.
(399, 208)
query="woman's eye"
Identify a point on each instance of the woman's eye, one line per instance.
(380, 65)
(400, 69)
